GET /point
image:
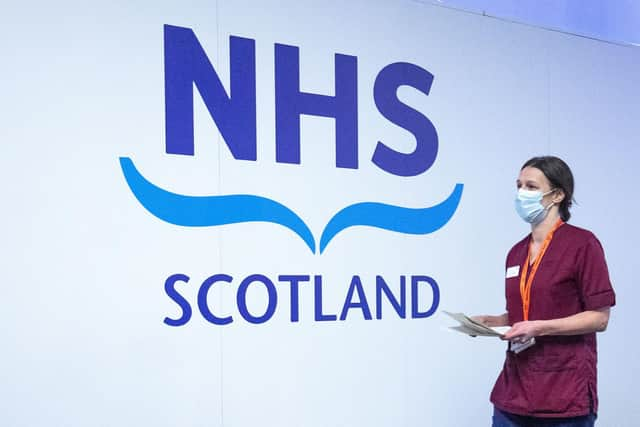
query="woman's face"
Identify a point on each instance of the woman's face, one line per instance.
(533, 179)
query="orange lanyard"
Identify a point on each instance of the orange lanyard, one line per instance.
(525, 282)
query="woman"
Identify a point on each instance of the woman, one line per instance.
(558, 296)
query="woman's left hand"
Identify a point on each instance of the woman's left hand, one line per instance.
(524, 331)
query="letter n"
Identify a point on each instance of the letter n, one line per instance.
(186, 63)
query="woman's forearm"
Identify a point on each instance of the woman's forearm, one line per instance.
(585, 322)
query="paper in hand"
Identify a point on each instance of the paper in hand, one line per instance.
(471, 327)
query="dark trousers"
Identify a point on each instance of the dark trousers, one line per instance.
(506, 419)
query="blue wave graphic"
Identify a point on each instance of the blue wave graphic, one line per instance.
(393, 218)
(202, 211)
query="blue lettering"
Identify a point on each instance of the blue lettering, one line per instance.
(234, 113)
(386, 85)
(319, 316)
(356, 287)
(355, 298)
(242, 298)
(186, 63)
(415, 313)
(202, 299)
(169, 288)
(294, 281)
(291, 103)
(399, 306)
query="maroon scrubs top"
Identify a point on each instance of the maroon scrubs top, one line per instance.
(557, 376)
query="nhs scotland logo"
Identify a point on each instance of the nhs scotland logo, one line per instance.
(234, 112)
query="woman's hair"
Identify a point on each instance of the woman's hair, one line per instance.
(559, 175)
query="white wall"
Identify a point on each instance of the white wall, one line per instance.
(84, 263)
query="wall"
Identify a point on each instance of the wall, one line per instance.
(614, 20)
(84, 304)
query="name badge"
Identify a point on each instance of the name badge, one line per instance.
(518, 347)
(513, 271)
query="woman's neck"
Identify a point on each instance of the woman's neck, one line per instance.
(539, 231)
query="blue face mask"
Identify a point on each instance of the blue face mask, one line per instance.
(529, 205)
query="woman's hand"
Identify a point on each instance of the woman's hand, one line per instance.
(524, 331)
(491, 321)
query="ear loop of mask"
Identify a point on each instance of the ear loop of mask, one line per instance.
(552, 202)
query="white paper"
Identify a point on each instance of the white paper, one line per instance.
(470, 327)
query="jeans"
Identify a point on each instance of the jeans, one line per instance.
(506, 419)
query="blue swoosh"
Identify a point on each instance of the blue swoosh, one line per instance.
(393, 218)
(202, 211)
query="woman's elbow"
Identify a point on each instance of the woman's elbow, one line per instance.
(602, 325)
(602, 320)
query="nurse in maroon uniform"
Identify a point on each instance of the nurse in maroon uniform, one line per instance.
(558, 296)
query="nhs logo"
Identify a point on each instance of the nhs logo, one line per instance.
(233, 109)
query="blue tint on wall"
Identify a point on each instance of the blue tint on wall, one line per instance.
(610, 20)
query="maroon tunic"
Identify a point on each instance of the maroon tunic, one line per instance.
(557, 376)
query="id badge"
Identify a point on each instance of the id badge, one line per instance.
(518, 347)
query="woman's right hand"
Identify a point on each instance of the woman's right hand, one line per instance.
(492, 321)
(482, 319)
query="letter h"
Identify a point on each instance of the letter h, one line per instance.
(291, 103)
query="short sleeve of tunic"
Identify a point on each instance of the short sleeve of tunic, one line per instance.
(593, 276)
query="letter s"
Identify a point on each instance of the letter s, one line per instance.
(169, 288)
(389, 79)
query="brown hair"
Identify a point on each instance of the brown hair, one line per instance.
(560, 177)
